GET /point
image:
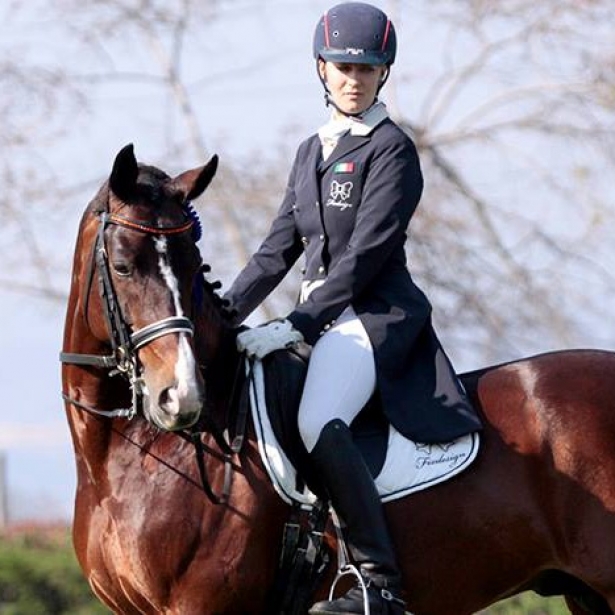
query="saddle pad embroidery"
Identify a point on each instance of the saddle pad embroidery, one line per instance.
(409, 466)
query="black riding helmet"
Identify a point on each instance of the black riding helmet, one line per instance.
(355, 33)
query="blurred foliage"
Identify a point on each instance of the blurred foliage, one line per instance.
(39, 575)
(511, 110)
(528, 603)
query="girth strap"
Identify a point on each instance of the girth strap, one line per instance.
(303, 561)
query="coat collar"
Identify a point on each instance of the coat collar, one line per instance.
(338, 124)
(350, 133)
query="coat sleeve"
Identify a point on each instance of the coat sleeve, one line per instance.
(391, 193)
(271, 262)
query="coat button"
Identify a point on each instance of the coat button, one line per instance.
(321, 237)
(321, 269)
(326, 328)
(305, 241)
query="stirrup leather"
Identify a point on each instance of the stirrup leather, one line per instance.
(345, 568)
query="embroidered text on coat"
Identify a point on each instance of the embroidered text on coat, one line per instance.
(339, 194)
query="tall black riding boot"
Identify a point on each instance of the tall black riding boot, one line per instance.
(355, 499)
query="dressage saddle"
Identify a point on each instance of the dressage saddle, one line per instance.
(285, 372)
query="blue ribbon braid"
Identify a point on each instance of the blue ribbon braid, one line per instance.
(197, 227)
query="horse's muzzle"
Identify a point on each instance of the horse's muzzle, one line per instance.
(173, 409)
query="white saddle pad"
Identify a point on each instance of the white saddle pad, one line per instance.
(409, 466)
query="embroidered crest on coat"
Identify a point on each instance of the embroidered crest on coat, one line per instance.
(339, 193)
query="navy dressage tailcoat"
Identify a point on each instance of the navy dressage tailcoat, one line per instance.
(349, 216)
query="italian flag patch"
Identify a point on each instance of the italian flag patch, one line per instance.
(344, 167)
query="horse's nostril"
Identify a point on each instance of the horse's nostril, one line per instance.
(168, 400)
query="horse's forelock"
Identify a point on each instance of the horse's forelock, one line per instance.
(149, 175)
(154, 185)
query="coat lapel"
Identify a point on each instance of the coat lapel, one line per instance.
(347, 143)
(312, 163)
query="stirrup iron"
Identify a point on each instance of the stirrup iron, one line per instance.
(344, 567)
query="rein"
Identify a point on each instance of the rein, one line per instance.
(239, 399)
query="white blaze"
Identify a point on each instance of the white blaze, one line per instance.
(185, 368)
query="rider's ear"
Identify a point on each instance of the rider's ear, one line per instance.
(322, 69)
(123, 178)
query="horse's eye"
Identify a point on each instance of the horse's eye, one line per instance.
(122, 269)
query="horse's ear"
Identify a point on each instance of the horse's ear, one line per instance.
(123, 179)
(192, 183)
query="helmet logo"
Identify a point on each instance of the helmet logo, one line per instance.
(353, 51)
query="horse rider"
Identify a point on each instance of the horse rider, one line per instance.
(352, 190)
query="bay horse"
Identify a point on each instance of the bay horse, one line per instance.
(535, 511)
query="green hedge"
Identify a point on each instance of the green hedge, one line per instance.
(529, 603)
(39, 575)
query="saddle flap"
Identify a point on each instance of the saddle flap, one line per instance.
(400, 466)
(284, 373)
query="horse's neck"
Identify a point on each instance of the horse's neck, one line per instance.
(214, 342)
(220, 375)
(79, 340)
(211, 336)
(91, 387)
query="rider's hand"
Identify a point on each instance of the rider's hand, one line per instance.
(274, 335)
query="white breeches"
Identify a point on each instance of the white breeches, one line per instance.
(341, 377)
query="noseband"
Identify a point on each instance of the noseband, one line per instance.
(125, 345)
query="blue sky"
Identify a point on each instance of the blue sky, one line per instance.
(33, 431)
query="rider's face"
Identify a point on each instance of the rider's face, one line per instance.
(353, 87)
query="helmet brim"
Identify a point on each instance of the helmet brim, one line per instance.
(358, 56)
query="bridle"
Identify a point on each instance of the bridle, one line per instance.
(124, 358)
(125, 345)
